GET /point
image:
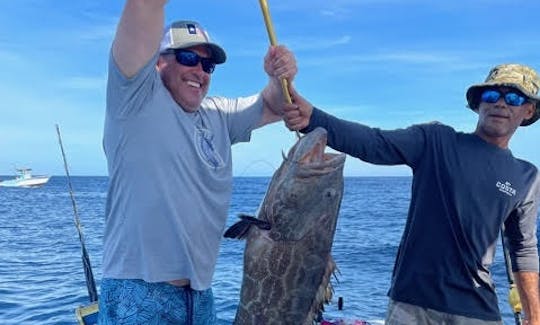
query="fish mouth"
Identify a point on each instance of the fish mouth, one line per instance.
(329, 163)
(310, 155)
(316, 154)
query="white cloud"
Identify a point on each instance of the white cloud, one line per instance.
(317, 43)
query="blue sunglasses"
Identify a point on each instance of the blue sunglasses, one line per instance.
(191, 59)
(511, 98)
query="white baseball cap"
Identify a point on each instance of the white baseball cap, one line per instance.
(184, 34)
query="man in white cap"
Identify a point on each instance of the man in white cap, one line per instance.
(168, 150)
(466, 187)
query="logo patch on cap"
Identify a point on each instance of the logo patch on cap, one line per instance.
(192, 29)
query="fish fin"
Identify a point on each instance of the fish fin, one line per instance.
(325, 291)
(240, 229)
(336, 273)
(261, 224)
(283, 155)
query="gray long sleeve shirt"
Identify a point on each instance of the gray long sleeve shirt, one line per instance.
(463, 190)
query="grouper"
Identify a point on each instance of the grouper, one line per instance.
(287, 258)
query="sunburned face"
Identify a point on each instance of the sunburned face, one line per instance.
(498, 121)
(187, 85)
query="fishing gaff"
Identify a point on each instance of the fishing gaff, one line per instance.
(273, 42)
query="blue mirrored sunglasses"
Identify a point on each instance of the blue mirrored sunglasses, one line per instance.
(511, 98)
(191, 59)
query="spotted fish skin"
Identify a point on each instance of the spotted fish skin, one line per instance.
(287, 261)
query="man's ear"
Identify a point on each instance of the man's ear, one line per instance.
(159, 61)
(530, 109)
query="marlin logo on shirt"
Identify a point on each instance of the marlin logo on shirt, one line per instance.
(506, 188)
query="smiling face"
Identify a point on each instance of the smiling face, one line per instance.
(187, 85)
(498, 121)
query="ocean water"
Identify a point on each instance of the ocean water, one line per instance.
(42, 280)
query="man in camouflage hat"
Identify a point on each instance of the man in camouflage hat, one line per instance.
(514, 76)
(465, 188)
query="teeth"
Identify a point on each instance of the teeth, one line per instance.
(194, 84)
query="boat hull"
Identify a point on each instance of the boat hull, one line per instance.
(35, 181)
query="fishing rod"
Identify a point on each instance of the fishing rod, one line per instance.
(85, 314)
(513, 295)
(273, 42)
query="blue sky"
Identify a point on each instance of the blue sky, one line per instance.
(384, 63)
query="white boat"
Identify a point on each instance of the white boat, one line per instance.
(24, 178)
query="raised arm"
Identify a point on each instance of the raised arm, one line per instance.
(279, 63)
(138, 34)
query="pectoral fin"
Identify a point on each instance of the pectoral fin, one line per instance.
(240, 229)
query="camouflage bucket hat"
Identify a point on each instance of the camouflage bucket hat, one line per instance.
(520, 77)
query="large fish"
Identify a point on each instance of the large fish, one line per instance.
(287, 262)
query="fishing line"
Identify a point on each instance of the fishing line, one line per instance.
(254, 162)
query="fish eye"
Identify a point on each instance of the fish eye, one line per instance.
(293, 197)
(330, 193)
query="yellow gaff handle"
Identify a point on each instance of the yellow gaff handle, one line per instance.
(272, 37)
(513, 299)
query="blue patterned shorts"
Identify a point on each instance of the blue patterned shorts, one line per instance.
(139, 302)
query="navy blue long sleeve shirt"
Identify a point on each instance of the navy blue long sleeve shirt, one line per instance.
(463, 190)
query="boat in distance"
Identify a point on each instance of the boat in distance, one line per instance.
(24, 178)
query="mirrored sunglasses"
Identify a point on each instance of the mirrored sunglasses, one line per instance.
(191, 59)
(511, 98)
